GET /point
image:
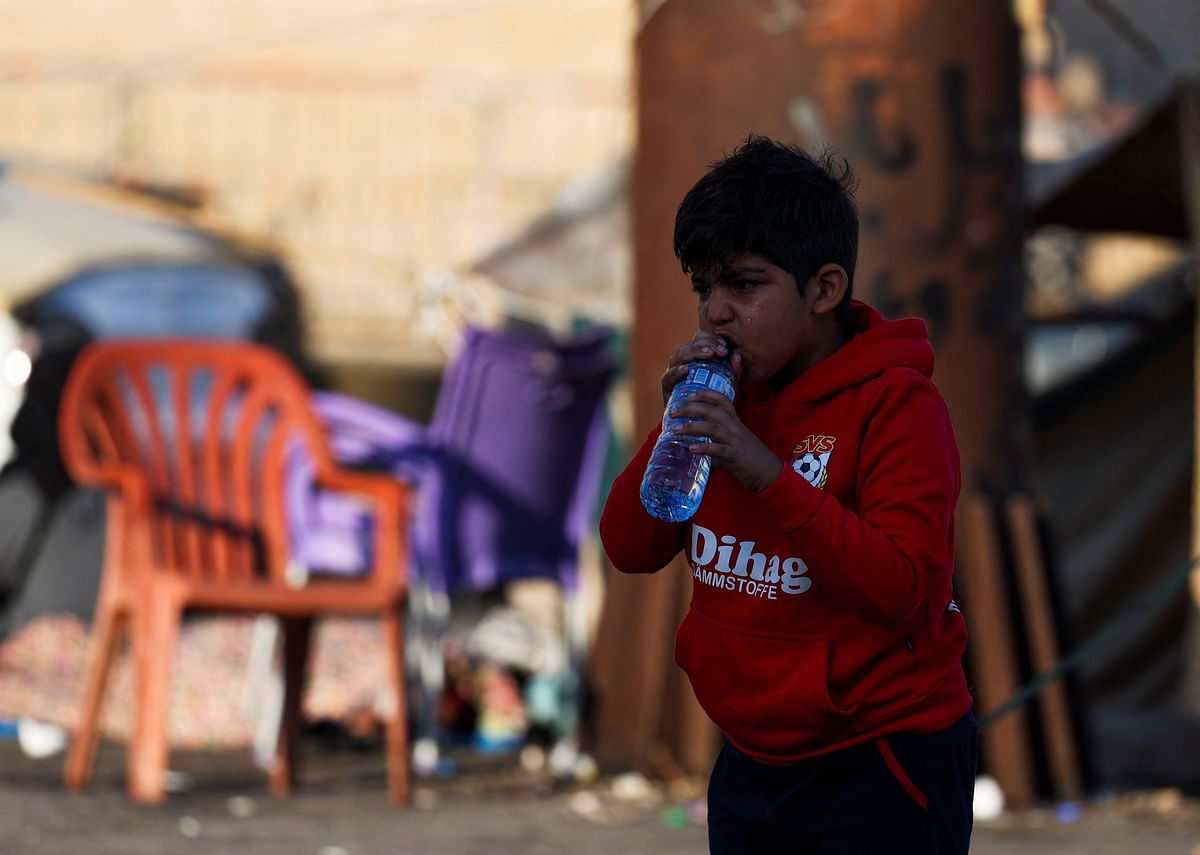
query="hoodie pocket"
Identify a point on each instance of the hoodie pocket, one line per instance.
(766, 690)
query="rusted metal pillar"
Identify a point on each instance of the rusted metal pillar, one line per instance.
(922, 97)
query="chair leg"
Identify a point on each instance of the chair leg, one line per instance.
(155, 633)
(297, 635)
(397, 728)
(106, 637)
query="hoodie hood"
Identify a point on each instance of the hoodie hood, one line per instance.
(875, 345)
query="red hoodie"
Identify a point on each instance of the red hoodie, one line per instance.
(822, 612)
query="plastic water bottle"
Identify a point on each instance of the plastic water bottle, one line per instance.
(675, 478)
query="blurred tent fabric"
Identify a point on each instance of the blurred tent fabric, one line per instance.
(1135, 183)
(576, 256)
(51, 228)
(1112, 454)
(1114, 450)
(56, 231)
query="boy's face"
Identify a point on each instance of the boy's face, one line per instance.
(756, 305)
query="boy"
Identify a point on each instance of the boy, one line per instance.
(822, 636)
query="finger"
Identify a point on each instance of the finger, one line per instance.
(673, 375)
(698, 345)
(708, 410)
(721, 453)
(713, 345)
(704, 345)
(698, 430)
(704, 338)
(670, 379)
(715, 399)
(705, 411)
(692, 353)
(713, 431)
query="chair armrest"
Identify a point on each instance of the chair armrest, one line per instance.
(383, 490)
(391, 500)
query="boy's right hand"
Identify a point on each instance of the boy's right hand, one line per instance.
(704, 345)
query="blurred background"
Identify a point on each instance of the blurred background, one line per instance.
(364, 186)
(380, 148)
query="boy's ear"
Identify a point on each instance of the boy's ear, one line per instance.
(831, 282)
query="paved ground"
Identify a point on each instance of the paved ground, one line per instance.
(493, 808)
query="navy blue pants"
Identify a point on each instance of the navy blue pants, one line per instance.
(905, 794)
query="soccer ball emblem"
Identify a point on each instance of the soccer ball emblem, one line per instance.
(811, 467)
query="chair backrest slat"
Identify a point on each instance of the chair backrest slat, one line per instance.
(102, 433)
(274, 459)
(243, 473)
(217, 505)
(110, 412)
(185, 464)
(154, 445)
(142, 403)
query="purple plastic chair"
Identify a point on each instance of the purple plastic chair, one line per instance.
(508, 477)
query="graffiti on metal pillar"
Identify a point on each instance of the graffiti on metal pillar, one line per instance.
(964, 156)
(954, 91)
(891, 152)
(896, 151)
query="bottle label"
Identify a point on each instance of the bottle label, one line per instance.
(709, 379)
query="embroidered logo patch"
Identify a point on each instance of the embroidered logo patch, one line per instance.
(810, 459)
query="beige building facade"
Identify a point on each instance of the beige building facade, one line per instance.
(380, 145)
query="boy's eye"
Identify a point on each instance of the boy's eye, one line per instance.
(700, 289)
(744, 284)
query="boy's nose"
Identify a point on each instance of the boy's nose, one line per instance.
(718, 309)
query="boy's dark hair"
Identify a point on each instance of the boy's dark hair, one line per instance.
(775, 200)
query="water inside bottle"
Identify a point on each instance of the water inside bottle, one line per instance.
(675, 477)
(675, 480)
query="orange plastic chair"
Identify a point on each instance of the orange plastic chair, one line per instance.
(191, 438)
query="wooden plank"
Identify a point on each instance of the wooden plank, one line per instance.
(1189, 151)
(1059, 730)
(1006, 744)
